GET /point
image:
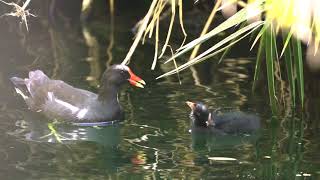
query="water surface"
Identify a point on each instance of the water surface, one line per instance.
(154, 140)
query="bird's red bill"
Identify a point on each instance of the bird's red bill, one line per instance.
(135, 80)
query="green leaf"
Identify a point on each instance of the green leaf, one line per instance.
(285, 44)
(274, 43)
(229, 38)
(234, 20)
(270, 57)
(259, 61)
(299, 68)
(229, 48)
(262, 31)
(204, 56)
(289, 66)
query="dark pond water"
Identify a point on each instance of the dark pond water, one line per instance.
(154, 141)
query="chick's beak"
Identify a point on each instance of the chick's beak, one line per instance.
(135, 80)
(191, 105)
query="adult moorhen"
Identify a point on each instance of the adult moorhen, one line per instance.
(218, 123)
(59, 100)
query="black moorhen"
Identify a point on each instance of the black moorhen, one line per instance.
(57, 99)
(226, 123)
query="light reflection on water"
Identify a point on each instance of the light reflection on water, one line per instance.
(154, 141)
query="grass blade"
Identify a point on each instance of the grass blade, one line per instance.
(181, 22)
(156, 46)
(289, 66)
(262, 31)
(190, 63)
(274, 43)
(297, 51)
(229, 48)
(173, 14)
(285, 44)
(140, 32)
(270, 55)
(206, 27)
(259, 61)
(229, 38)
(234, 20)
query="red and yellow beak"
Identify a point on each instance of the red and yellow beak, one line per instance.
(135, 80)
(191, 105)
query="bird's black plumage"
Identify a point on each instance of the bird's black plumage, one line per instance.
(59, 100)
(236, 122)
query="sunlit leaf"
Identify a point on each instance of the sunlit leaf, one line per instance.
(259, 35)
(229, 48)
(192, 62)
(173, 11)
(299, 68)
(259, 61)
(285, 44)
(234, 20)
(229, 38)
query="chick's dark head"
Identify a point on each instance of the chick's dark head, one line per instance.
(199, 113)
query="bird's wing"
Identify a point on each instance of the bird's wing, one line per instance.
(59, 91)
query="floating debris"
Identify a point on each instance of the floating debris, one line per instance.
(222, 159)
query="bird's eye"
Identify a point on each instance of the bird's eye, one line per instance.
(122, 71)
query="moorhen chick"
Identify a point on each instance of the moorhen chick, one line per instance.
(222, 123)
(59, 100)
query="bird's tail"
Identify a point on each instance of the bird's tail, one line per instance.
(25, 87)
(20, 87)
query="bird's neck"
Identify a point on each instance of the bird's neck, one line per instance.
(210, 121)
(108, 94)
(205, 120)
(200, 122)
(108, 98)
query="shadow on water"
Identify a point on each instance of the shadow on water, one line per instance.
(153, 142)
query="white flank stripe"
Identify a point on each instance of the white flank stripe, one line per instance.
(82, 113)
(117, 98)
(28, 84)
(21, 93)
(50, 96)
(71, 107)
